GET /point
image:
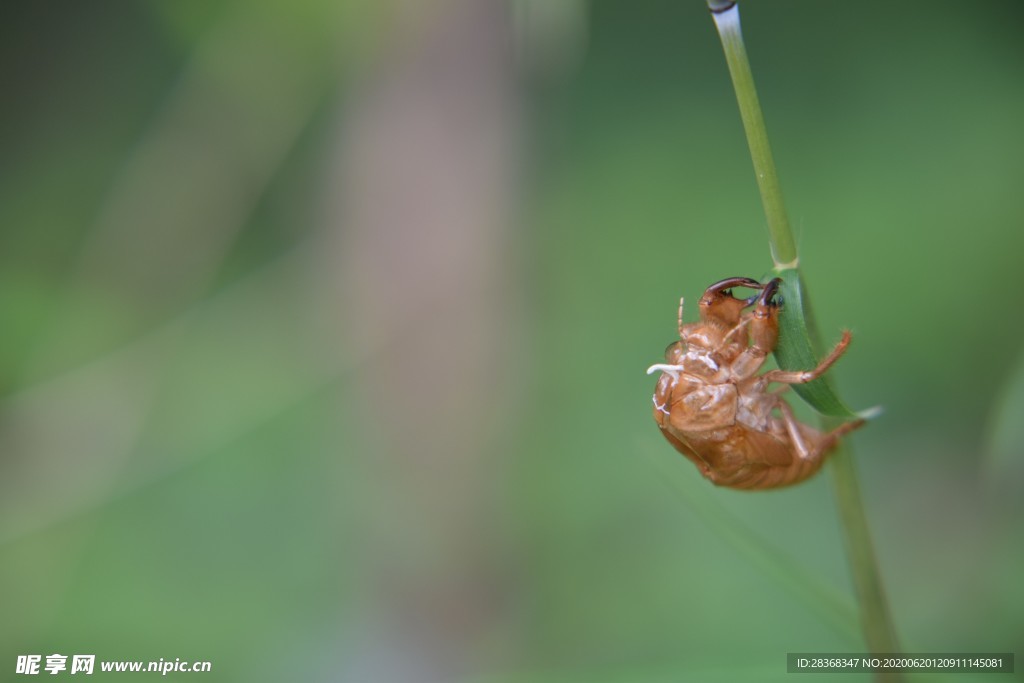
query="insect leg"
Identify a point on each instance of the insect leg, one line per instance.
(764, 332)
(740, 326)
(829, 441)
(793, 430)
(804, 376)
(823, 445)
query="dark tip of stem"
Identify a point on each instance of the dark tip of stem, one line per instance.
(719, 6)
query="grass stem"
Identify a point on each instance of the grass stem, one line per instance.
(876, 622)
(784, 252)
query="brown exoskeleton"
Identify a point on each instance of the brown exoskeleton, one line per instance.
(717, 411)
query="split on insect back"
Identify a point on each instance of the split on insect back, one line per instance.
(731, 422)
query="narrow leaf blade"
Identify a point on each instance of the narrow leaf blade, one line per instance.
(796, 350)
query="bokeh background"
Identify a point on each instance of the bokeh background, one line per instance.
(324, 328)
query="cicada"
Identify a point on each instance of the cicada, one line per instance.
(714, 407)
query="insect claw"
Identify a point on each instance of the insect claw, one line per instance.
(725, 285)
(770, 296)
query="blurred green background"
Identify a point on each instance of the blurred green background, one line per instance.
(325, 327)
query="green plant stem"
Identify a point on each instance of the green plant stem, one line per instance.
(879, 632)
(784, 252)
(876, 622)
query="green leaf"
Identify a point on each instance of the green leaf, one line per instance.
(796, 349)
